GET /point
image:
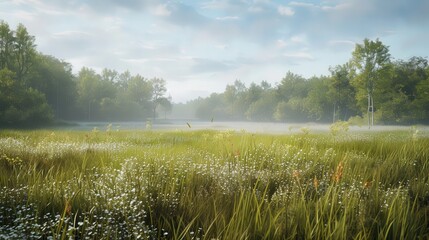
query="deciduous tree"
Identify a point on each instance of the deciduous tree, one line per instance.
(370, 60)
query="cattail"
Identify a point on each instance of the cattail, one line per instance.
(68, 208)
(315, 183)
(338, 172)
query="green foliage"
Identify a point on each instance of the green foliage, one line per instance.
(339, 127)
(292, 86)
(262, 109)
(158, 91)
(54, 78)
(342, 93)
(23, 54)
(21, 106)
(291, 111)
(404, 103)
(371, 61)
(369, 85)
(6, 45)
(421, 103)
(212, 107)
(119, 97)
(87, 96)
(281, 111)
(317, 102)
(238, 98)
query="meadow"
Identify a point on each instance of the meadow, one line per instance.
(205, 184)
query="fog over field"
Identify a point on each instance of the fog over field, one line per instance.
(250, 127)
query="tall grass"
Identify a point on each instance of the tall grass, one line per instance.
(210, 184)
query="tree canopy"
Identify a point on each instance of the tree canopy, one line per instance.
(37, 89)
(370, 86)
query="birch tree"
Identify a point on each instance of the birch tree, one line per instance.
(369, 59)
(158, 93)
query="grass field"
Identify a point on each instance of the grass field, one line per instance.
(213, 185)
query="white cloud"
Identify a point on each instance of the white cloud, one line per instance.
(293, 41)
(299, 56)
(281, 43)
(255, 9)
(222, 46)
(302, 4)
(285, 11)
(29, 16)
(145, 60)
(216, 41)
(70, 34)
(214, 4)
(340, 7)
(341, 42)
(226, 18)
(203, 65)
(162, 10)
(323, 6)
(298, 39)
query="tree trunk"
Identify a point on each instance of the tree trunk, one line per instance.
(89, 111)
(372, 111)
(333, 117)
(367, 112)
(154, 111)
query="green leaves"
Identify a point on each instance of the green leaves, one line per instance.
(21, 106)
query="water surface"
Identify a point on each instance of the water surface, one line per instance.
(256, 127)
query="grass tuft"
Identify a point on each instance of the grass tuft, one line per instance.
(213, 185)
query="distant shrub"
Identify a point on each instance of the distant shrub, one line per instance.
(339, 127)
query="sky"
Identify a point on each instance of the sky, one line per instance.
(199, 47)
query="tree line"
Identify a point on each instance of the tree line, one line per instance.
(37, 89)
(370, 87)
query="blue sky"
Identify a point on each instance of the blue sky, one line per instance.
(200, 46)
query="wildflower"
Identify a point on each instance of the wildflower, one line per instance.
(237, 153)
(367, 184)
(295, 174)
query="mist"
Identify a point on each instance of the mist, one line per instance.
(59, 97)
